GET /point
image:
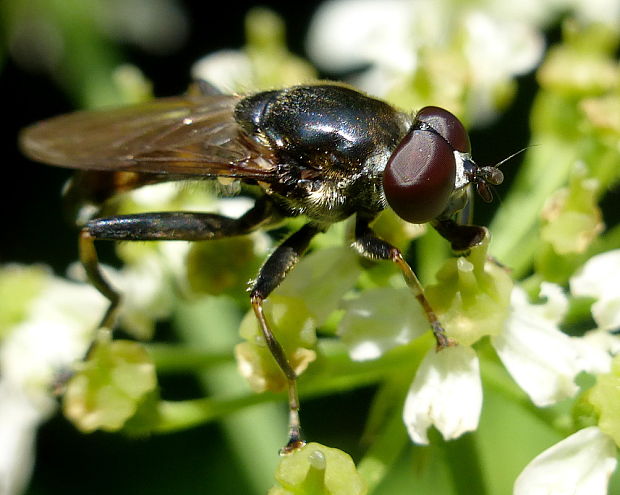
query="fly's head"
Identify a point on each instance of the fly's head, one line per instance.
(427, 175)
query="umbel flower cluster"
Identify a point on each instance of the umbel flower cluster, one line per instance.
(527, 401)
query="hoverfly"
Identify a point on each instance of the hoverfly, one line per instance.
(324, 151)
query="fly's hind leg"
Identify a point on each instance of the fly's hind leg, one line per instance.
(187, 226)
(271, 274)
(191, 226)
(90, 262)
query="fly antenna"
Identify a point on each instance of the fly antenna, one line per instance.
(498, 164)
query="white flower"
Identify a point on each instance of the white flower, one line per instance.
(497, 49)
(540, 357)
(598, 278)
(157, 26)
(596, 350)
(446, 392)
(376, 308)
(382, 37)
(56, 330)
(19, 418)
(483, 49)
(578, 465)
(597, 11)
(348, 34)
(228, 70)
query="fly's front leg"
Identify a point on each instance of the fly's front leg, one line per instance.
(186, 226)
(461, 236)
(372, 247)
(271, 274)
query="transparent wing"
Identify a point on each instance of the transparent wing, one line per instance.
(192, 135)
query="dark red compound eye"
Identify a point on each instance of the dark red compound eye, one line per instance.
(419, 177)
(446, 125)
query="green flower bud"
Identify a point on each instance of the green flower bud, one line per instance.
(111, 386)
(605, 398)
(222, 266)
(472, 295)
(304, 300)
(19, 285)
(582, 65)
(272, 64)
(318, 470)
(572, 216)
(294, 328)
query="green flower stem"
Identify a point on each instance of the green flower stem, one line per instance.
(334, 373)
(608, 241)
(514, 228)
(174, 358)
(465, 465)
(386, 448)
(432, 250)
(180, 415)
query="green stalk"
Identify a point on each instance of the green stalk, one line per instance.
(465, 465)
(515, 226)
(333, 374)
(384, 451)
(174, 358)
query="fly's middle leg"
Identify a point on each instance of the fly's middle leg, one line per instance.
(271, 274)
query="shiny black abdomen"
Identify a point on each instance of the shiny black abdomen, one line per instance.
(321, 126)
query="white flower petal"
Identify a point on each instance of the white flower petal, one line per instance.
(598, 278)
(598, 11)
(379, 320)
(323, 277)
(18, 421)
(578, 465)
(542, 360)
(555, 306)
(57, 331)
(500, 48)
(596, 350)
(606, 313)
(157, 26)
(228, 70)
(154, 195)
(446, 393)
(347, 34)
(497, 48)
